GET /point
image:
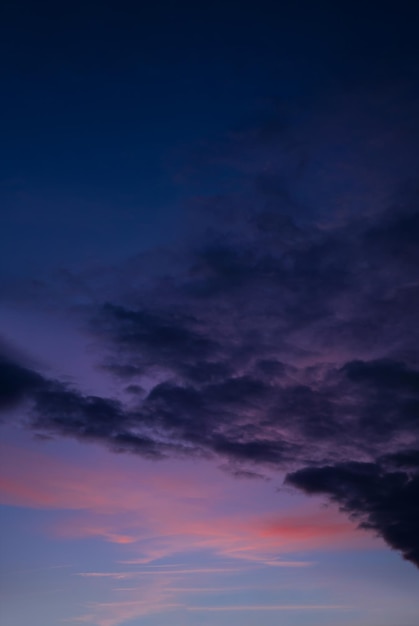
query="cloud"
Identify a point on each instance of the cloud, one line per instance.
(299, 360)
(296, 347)
(16, 383)
(282, 337)
(271, 607)
(382, 500)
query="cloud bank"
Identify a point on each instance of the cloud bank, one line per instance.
(279, 339)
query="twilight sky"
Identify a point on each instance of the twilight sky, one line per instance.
(209, 349)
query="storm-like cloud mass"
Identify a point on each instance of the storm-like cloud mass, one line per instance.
(280, 338)
(382, 499)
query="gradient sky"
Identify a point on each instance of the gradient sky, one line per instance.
(209, 352)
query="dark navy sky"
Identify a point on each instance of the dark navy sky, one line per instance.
(104, 105)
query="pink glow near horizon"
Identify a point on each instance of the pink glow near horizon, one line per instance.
(163, 508)
(183, 534)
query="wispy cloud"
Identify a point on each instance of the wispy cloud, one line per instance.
(164, 513)
(272, 607)
(172, 571)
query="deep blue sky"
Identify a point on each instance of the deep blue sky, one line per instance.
(104, 103)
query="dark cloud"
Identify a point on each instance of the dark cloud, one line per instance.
(381, 500)
(294, 346)
(297, 352)
(55, 409)
(281, 337)
(17, 383)
(384, 375)
(153, 339)
(405, 459)
(164, 334)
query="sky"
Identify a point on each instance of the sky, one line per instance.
(209, 353)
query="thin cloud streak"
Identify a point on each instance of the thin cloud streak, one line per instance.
(273, 607)
(169, 572)
(106, 500)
